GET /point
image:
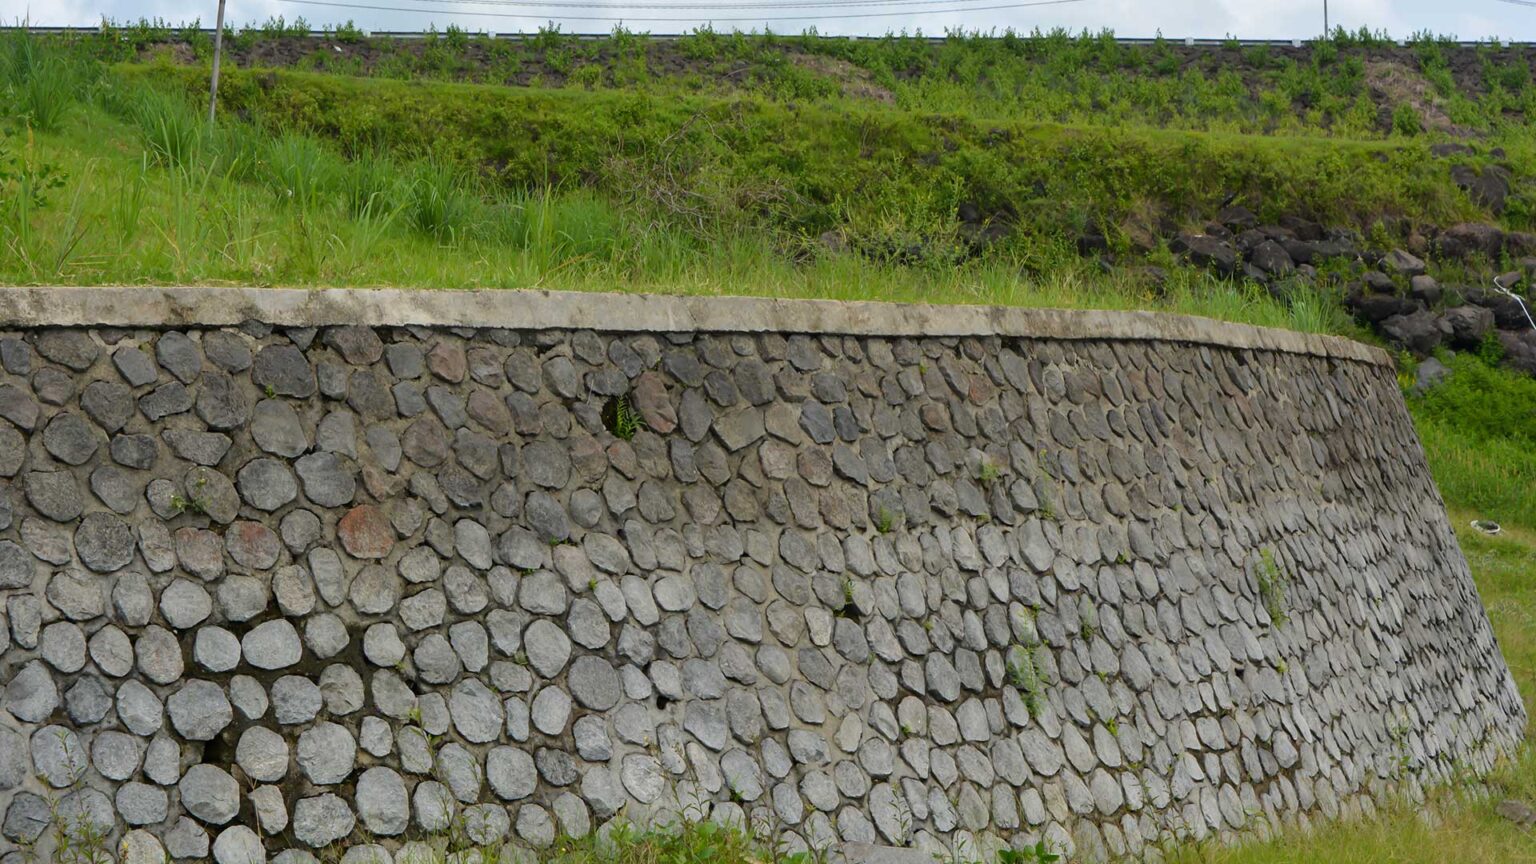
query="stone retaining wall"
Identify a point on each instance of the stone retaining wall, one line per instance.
(936, 578)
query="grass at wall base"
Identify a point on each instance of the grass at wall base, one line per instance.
(110, 175)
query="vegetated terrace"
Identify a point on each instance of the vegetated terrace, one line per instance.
(1036, 170)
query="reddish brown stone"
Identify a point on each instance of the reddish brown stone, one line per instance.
(365, 532)
(252, 545)
(447, 362)
(650, 399)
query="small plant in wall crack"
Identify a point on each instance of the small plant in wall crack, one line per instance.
(1272, 586)
(621, 418)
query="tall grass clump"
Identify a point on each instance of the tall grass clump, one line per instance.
(441, 202)
(41, 83)
(174, 133)
(301, 171)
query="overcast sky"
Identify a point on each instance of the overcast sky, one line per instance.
(1467, 19)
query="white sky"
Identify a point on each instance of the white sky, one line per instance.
(1467, 19)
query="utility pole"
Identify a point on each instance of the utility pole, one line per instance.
(1325, 17)
(218, 49)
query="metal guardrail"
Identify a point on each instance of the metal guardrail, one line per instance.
(1188, 42)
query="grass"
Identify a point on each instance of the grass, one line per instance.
(783, 187)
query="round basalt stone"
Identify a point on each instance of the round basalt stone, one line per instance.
(112, 651)
(276, 428)
(594, 683)
(199, 710)
(77, 596)
(200, 552)
(252, 545)
(141, 803)
(201, 448)
(326, 635)
(135, 366)
(17, 566)
(158, 655)
(238, 844)
(283, 370)
(72, 348)
(210, 492)
(221, 402)
(26, 818)
(328, 480)
(178, 355)
(511, 773)
(116, 755)
(382, 802)
(54, 494)
(262, 754)
(266, 484)
(322, 820)
(358, 345)
(58, 756)
(477, 711)
(272, 645)
(104, 542)
(365, 532)
(63, 645)
(209, 793)
(300, 529)
(132, 601)
(327, 753)
(227, 350)
(118, 489)
(13, 450)
(87, 700)
(216, 649)
(70, 439)
(547, 647)
(139, 708)
(185, 604)
(109, 403)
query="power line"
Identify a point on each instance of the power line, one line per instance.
(621, 18)
(1519, 3)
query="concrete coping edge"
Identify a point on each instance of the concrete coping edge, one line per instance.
(171, 307)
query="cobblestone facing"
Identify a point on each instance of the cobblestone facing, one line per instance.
(265, 590)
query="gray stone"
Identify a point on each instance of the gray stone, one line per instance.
(510, 773)
(327, 753)
(199, 710)
(141, 804)
(328, 480)
(266, 484)
(77, 596)
(262, 754)
(158, 655)
(216, 649)
(200, 448)
(477, 712)
(382, 802)
(70, 439)
(547, 647)
(209, 793)
(282, 370)
(108, 403)
(185, 604)
(58, 756)
(139, 708)
(104, 542)
(275, 427)
(295, 700)
(135, 366)
(54, 494)
(272, 645)
(594, 683)
(322, 820)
